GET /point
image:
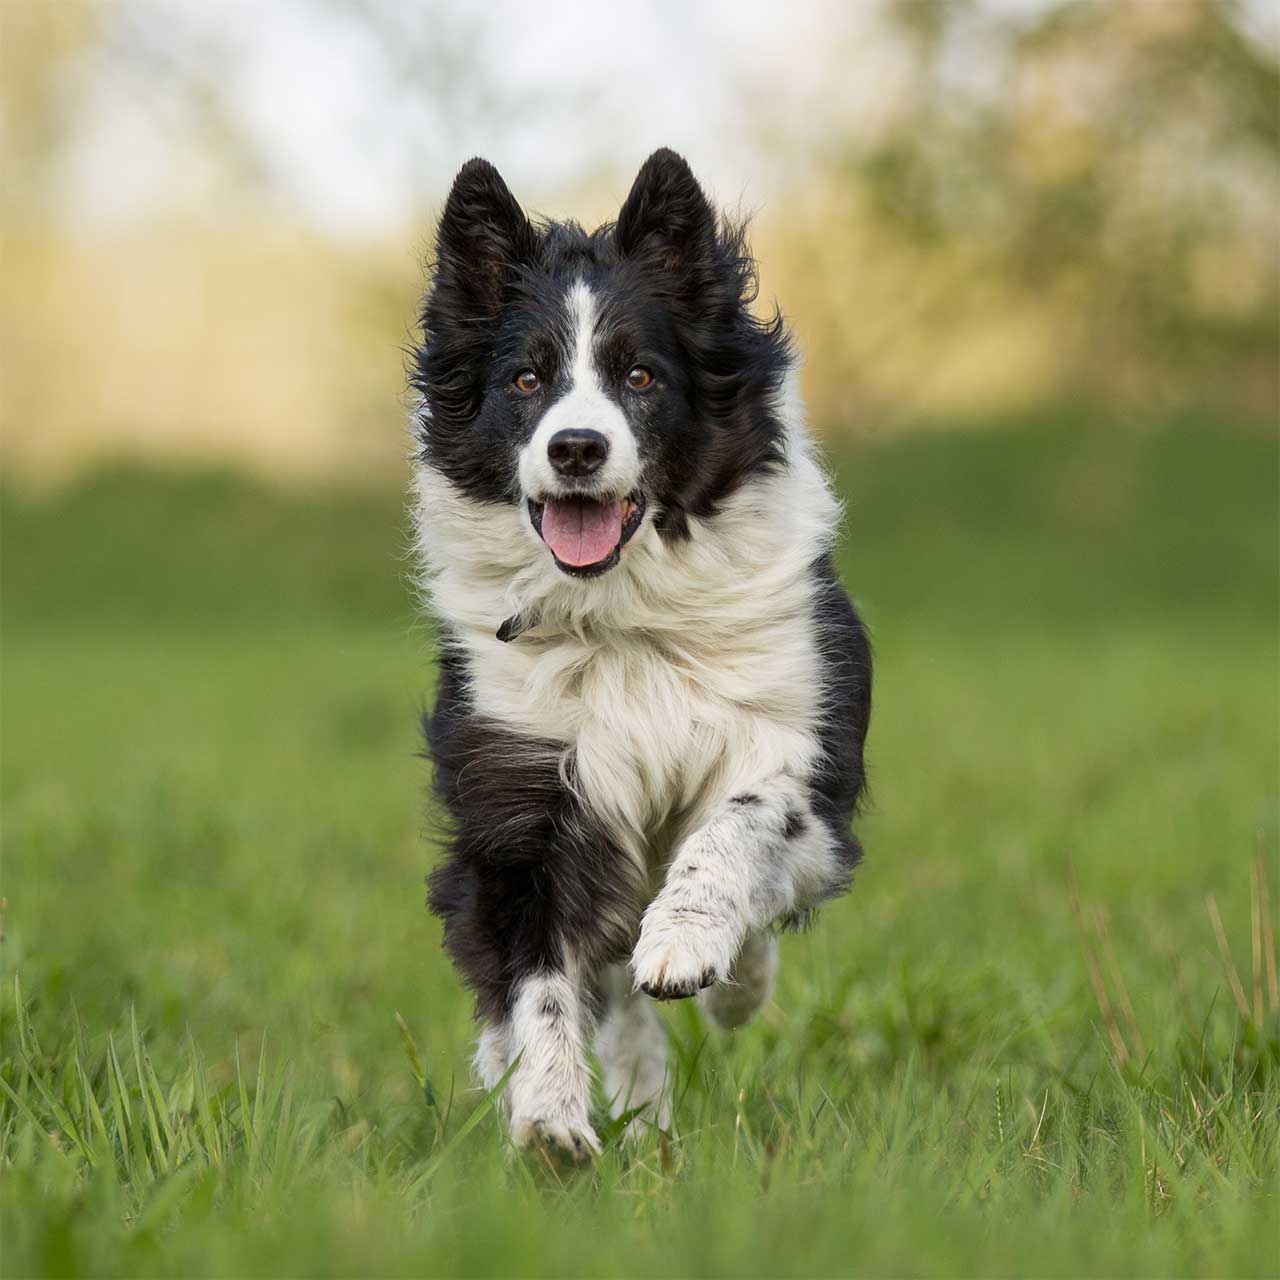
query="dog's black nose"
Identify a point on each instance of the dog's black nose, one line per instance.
(577, 453)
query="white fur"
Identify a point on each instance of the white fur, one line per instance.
(493, 1054)
(686, 674)
(550, 1091)
(584, 405)
(730, 876)
(632, 1047)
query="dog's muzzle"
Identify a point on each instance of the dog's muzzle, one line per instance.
(584, 533)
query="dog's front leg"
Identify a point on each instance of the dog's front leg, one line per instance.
(759, 856)
(535, 900)
(545, 1034)
(550, 1091)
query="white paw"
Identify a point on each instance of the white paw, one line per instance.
(680, 951)
(556, 1139)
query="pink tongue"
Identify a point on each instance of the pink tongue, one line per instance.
(580, 531)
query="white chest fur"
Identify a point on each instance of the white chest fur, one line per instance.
(677, 679)
(662, 727)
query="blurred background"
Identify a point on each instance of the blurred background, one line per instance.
(1032, 255)
(215, 213)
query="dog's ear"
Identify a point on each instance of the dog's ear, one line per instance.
(482, 237)
(667, 212)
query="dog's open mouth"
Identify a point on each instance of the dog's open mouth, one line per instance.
(586, 535)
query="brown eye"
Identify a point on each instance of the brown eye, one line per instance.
(526, 382)
(639, 379)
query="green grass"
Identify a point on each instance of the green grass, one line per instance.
(214, 844)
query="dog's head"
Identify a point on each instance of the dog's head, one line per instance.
(597, 381)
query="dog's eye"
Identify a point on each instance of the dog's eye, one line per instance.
(639, 379)
(526, 382)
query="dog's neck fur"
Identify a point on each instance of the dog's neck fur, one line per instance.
(684, 673)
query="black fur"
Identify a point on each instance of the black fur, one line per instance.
(795, 825)
(837, 788)
(528, 866)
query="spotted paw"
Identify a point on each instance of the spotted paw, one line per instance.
(554, 1141)
(674, 961)
(666, 988)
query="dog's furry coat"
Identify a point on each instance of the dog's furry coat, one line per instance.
(651, 759)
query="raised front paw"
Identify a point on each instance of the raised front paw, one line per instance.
(556, 1141)
(680, 951)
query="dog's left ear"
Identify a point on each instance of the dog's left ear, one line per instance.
(667, 212)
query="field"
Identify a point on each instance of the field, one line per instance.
(1016, 1048)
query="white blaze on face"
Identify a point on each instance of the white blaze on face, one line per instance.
(584, 406)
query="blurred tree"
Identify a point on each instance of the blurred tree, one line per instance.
(1120, 166)
(441, 78)
(41, 67)
(971, 206)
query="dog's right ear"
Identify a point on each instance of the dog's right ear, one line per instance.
(482, 237)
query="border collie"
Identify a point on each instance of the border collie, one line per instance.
(653, 692)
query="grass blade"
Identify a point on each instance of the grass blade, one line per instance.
(483, 1108)
(159, 1153)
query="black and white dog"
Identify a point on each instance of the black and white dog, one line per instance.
(653, 691)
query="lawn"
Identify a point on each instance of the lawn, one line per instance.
(229, 1042)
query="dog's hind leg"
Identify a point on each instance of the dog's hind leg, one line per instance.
(734, 1002)
(632, 1047)
(493, 1053)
